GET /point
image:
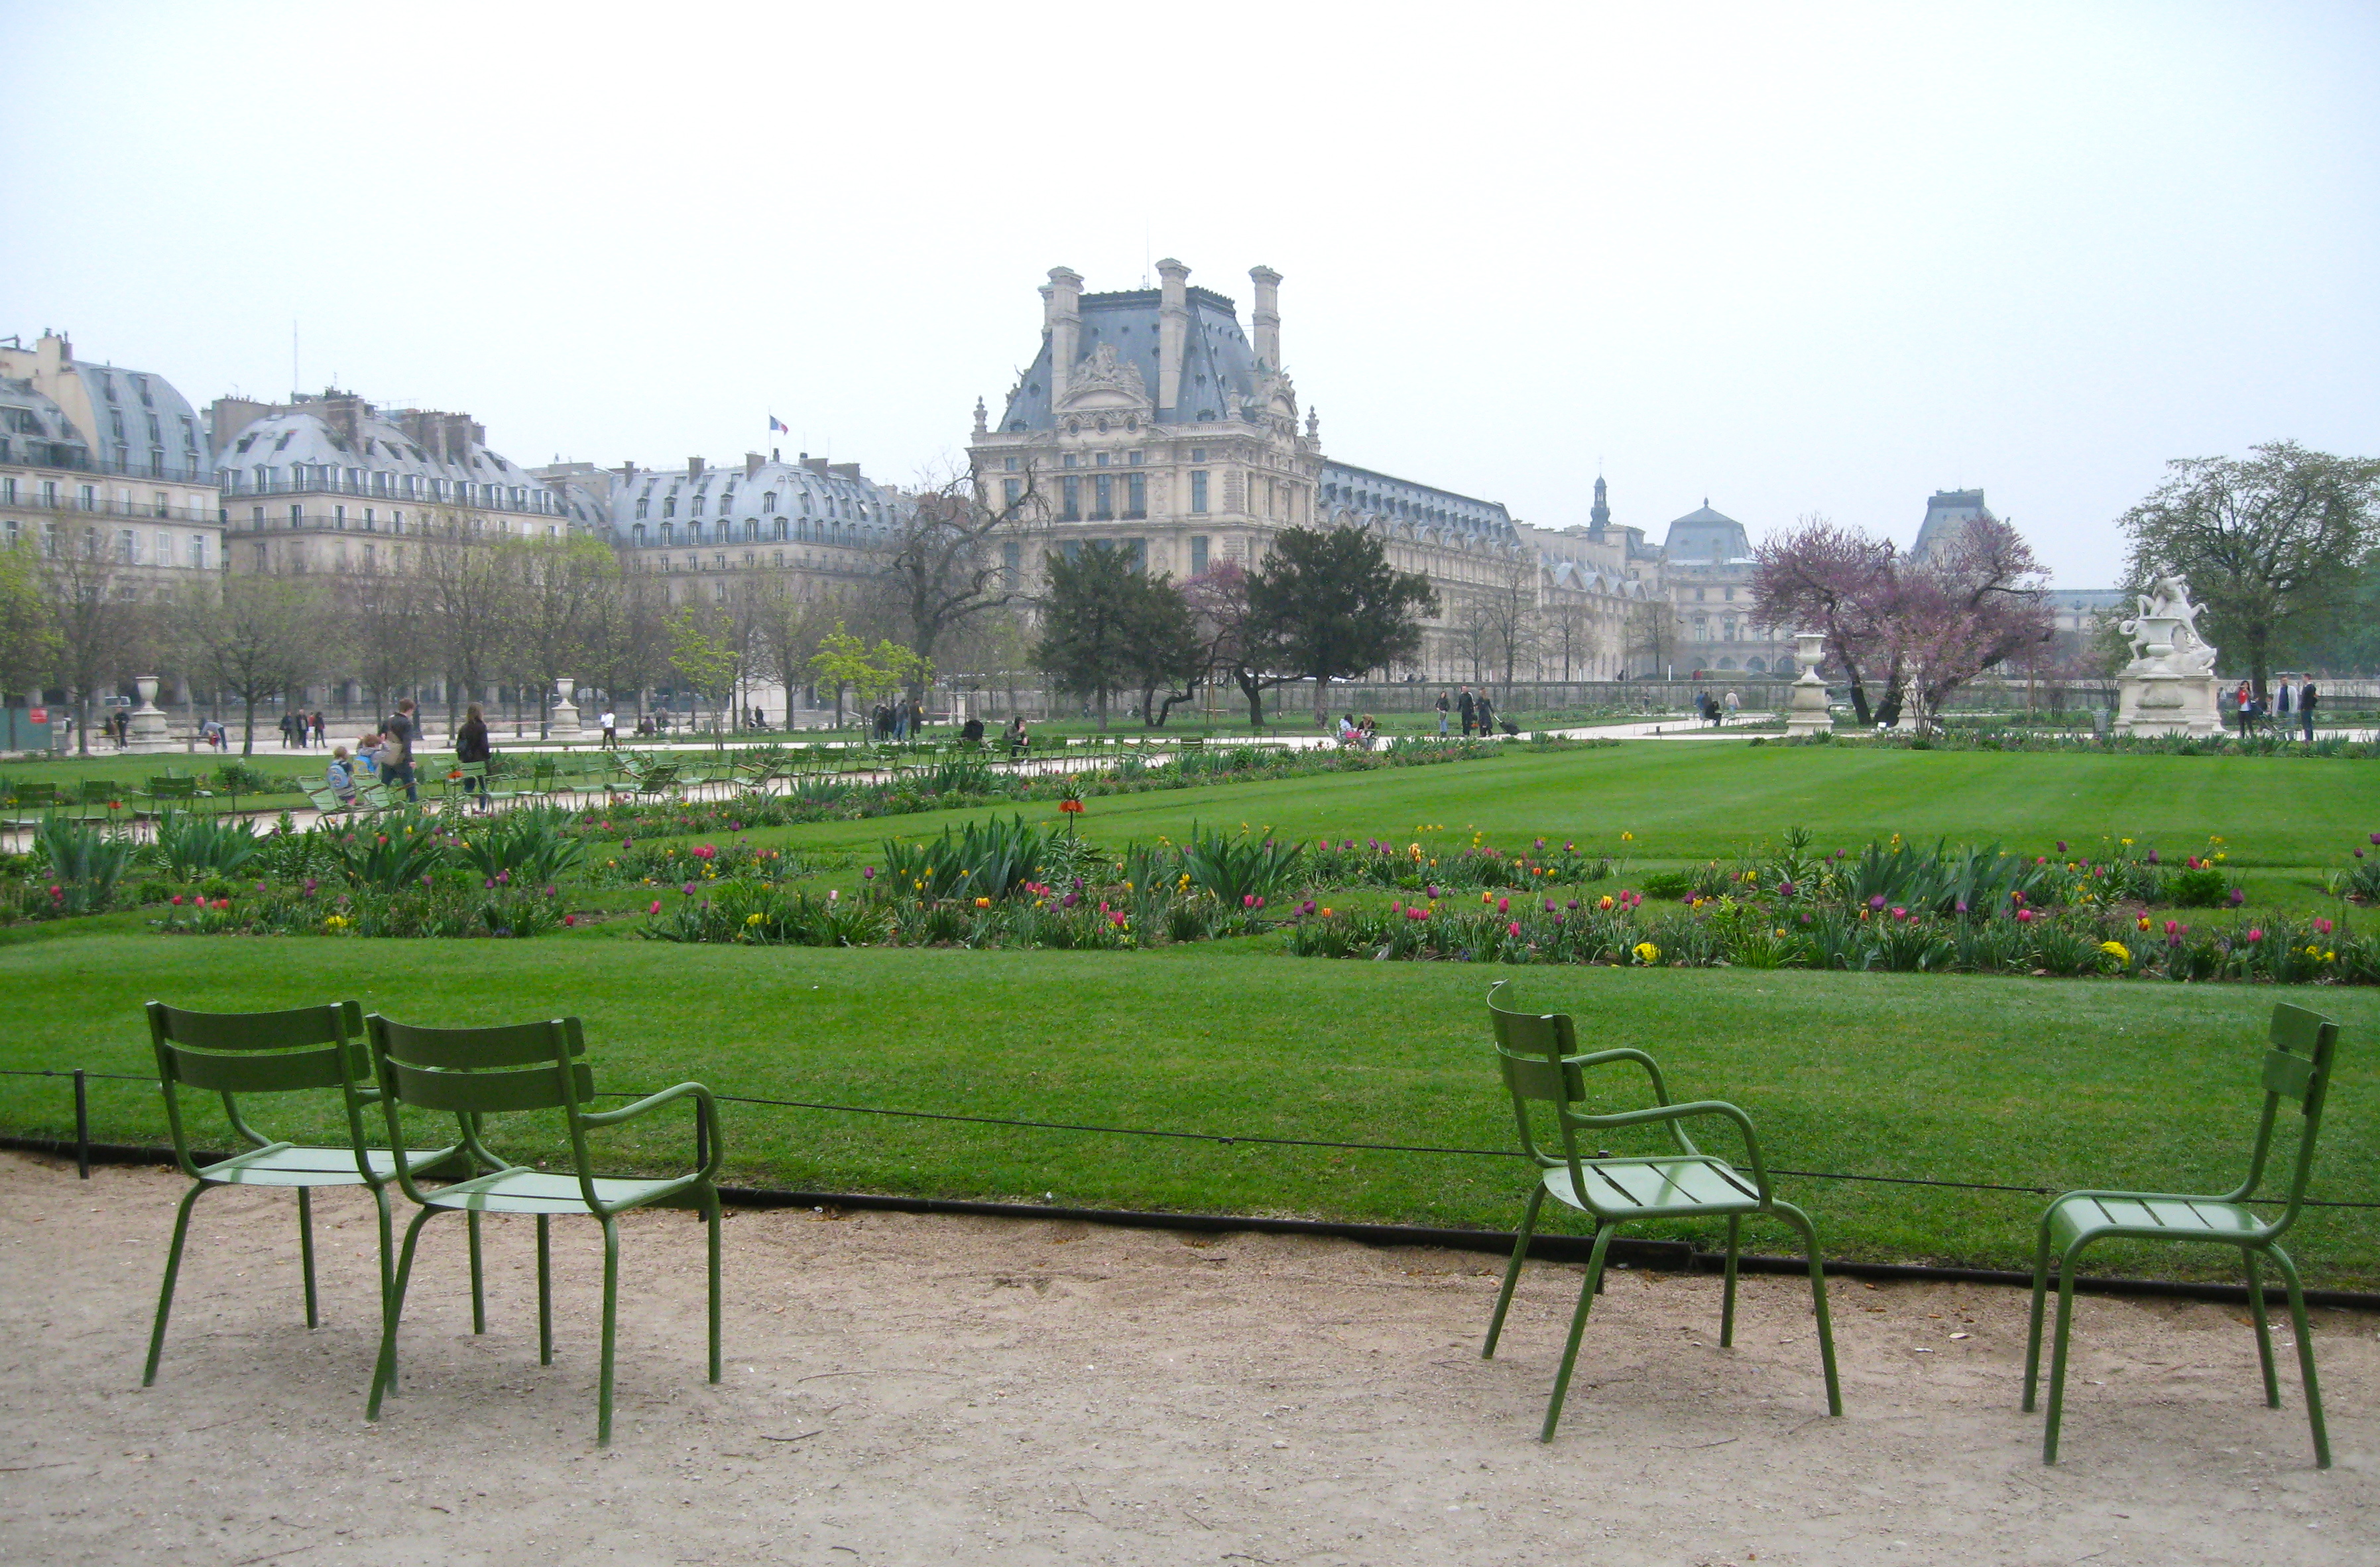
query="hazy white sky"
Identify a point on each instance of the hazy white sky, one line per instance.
(1823, 258)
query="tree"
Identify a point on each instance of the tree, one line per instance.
(471, 604)
(625, 637)
(1507, 611)
(703, 651)
(557, 586)
(1168, 651)
(385, 614)
(1835, 581)
(100, 626)
(254, 636)
(1933, 625)
(945, 567)
(29, 633)
(1326, 604)
(2268, 543)
(1107, 626)
(790, 624)
(1969, 606)
(841, 662)
(1652, 636)
(1091, 617)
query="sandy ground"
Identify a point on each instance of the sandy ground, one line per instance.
(928, 1390)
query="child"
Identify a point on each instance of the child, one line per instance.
(368, 752)
(341, 778)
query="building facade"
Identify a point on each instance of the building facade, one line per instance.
(105, 463)
(705, 533)
(1149, 421)
(1707, 566)
(331, 485)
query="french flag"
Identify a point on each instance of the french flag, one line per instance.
(777, 424)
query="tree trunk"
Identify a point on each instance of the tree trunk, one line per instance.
(1252, 688)
(248, 728)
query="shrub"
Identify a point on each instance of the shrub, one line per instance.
(189, 845)
(84, 864)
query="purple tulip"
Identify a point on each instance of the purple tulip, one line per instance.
(1877, 901)
(2061, 845)
(2238, 897)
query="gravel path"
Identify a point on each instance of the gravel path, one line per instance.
(923, 1390)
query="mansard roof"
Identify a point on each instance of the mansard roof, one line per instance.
(1218, 374)
(36, 432)
(1368, 492)
(859, 510)
(1948, 512)
(1704, 537)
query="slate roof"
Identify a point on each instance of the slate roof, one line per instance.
(1217, 363)
(1704, 537)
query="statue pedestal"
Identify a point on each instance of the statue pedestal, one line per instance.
(149, 732)
(2153, 700)
(1806, 702)
(562, 724)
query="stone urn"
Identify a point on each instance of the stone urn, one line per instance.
(562, 724)
(1807, 710)
(148, 730)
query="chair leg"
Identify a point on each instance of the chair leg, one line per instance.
(1512, 1272)
(611, 1318)
(305, 1248)
(2263, 1330)
(2057, 1355)
(384, 1375)
(2305, 1357)
(544, 1290)
(478, 1288)
(1727, 1297)
(2033, 1333)
(1801, 1221)
(1588, 1287)
(714, 1217)
(387, 1257)
(166, 1291)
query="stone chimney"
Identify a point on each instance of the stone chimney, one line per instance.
(844, 470)
(1172, 332)
(1065, 323)
(1265, 316)
(752, 461)
(226, 416)
(694, 467)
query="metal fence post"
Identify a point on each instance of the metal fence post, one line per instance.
(82, 1126)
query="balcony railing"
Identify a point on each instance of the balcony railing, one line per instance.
(72, 462)
(236, 485)
(101, 506)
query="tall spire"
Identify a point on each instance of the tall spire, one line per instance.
(1601, 518)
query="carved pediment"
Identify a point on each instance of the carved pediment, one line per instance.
(1103, 381)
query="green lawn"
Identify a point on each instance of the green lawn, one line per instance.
(2027, 1083)
(1685, 802)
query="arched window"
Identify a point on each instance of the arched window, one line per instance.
(669, 506)
(641, 503)
(781, 527)
(769, 501)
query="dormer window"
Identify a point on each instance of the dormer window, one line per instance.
(769, 501)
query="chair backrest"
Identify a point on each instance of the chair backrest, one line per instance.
(172, 788)
(36, 796)
(1542, 1064)
(489, 1071)
(2297, 1067)
(259, 1053)
(99, 791)
(471, 770)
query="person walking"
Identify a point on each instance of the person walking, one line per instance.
(2246, 701)
(471, 745)
(1734, 706)
(2307, 700)
(610, 722)
(1469, 708)
(396, 751)
(1486, 716)
(318, 728)
(1444, 706)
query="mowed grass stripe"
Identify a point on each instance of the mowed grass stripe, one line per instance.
(2004, 1081)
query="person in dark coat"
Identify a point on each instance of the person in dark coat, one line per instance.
(2307, 700)
(471, 745)
(1468, 707)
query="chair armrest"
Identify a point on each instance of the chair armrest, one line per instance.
(701, 1094)
(1674, 1113)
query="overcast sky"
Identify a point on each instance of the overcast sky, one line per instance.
(1796, 259)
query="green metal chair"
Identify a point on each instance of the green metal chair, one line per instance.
(1542, 1065)
(305, 1049)
(469, 779)
(104, 793)
(43, 797)
(2297, 1067)
(475, 1072)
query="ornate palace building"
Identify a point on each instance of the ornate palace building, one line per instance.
(1151, 422)
(704, 530)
